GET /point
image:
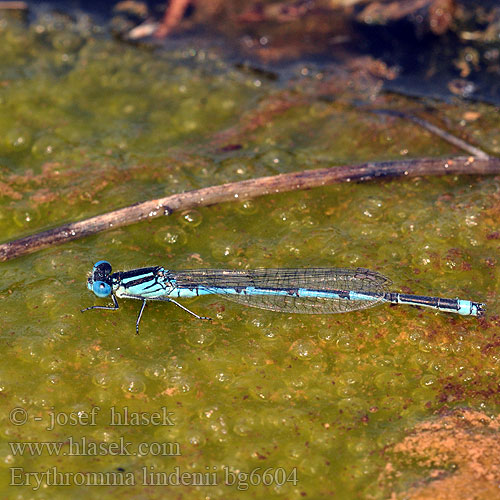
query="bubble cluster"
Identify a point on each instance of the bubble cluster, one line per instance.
(89, 125)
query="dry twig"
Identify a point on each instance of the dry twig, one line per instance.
(251, 188)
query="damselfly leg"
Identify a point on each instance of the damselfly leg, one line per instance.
(107, 308)
(190, 312)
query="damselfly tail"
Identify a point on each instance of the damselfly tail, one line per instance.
(457, 306)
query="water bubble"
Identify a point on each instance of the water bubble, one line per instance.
(101, 379)
(344, 391)
(390, 380)
(7, 459)
(191, 218)
(327, 335)
(247, 207)
(179, 383)
(420, 360)
(133, 384)
(47, 145)
(244, 426)
(304, 349)
(200, 338)
(155, 371)
(176, 364)
(427, 381)
(345, 343)
(223, 377)
(223, 251)
(196, 439)
(171, 236)
(24, 218)
(269, 333)
(51, 363)
(350, 379)
(18, 139)
(371, 208)
(319, 363)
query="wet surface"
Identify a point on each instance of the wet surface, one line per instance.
(89, 124)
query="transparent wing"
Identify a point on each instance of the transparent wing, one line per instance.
(248, 283)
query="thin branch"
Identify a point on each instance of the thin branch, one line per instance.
(434, 129)
(252, 188)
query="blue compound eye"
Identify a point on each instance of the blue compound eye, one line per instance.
(101, 289)
(102, 266)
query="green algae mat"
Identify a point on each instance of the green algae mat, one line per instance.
(393, 401)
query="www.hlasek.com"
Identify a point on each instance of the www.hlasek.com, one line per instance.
(148, 476)
(82, 447)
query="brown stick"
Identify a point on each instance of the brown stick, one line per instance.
(434, 129)
(236, 191)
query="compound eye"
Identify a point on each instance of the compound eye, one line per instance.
(101, 289)
(103, 267)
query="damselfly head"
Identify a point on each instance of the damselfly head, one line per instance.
(99, 281)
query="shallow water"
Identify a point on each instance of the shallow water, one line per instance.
(310, 405)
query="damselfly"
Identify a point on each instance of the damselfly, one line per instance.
(306, 291)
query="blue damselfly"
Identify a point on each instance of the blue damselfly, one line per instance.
(307, 291)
